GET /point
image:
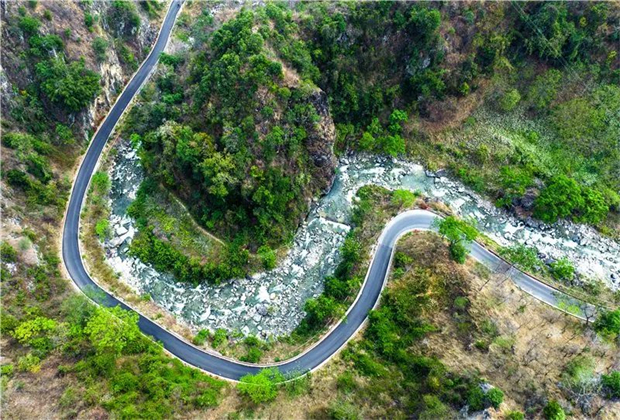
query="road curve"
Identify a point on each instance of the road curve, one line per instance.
(215, 364)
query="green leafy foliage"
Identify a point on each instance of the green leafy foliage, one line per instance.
(509, 100)
(554, 411)
(262, 387)
(458, 233)
(608, 323)
(524, 257)
(564, 198)
(72, 85)
(563, 269)
(611, 384)
(113, 330)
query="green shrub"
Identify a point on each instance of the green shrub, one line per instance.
(476, 398)
(343, 410)
(29, 363)
(262, 387)
(7, 370)
(123, 18)
(403, 198)
(611, 384)
(201, 337)
(268, 257)
(608, 323)
(495, 396)
(29, 25)
(100, 46)
(7, 252)
(515, 415)
(102, 229)
(563, 269)
(554, 411)
(71, 85)
(219, 337)
(526, 258)
(509, 100)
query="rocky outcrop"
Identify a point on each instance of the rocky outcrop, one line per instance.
(320, 143)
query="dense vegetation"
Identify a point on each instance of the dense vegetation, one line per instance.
(107, 344)
(246, 112)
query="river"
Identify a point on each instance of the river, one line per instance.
(271, 303)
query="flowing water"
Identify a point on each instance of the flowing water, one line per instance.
(271, 303)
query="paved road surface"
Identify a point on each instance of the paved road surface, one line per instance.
(213, 363)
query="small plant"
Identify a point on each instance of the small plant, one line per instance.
(554, 411)
(563, 269)
(201, 337)
(459, 233)
(262, 387)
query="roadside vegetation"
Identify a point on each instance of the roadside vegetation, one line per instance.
(241, 129)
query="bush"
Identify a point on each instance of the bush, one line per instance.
(515, 415)
(219, 337)
(100, 45)
(29, 363)
(343, 410)
(262, 387)
(611, 384)
(554, 411)
(563, 269)
(403, 198)
(8, 254)
(476, 398)
(29, 25)
(71, 85)
(102, 229)
(201, 337)
(268, 257)
(123, 17)
(509, 100)
(608, 323)
(495, 396)
(526, 258)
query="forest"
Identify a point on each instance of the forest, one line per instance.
(244, 122)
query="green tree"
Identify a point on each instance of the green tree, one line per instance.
(71, 85)
(111, 331)
(262, 387)
(458, 233)
(563, 269)
(608, 323)
(495, 396)
(509, 100)
(558, 199)
(611, 384)
(554, 411)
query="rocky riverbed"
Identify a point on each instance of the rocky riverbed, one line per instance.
(271, 303)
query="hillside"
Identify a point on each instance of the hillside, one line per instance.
(240, 131)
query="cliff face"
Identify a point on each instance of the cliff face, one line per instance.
(320, 143)
(37, 31)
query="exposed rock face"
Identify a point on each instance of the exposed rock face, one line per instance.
(320, 143)
(67, 22)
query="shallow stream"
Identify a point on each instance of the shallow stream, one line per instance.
(271, 303)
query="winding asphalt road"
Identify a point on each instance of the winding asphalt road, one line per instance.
(215, 364)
